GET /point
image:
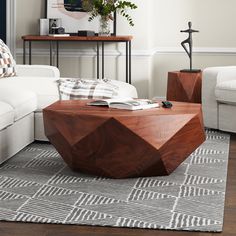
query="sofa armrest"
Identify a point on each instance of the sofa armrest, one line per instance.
(37, 70)
(211, 77)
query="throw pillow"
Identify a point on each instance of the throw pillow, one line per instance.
(75, 89)
(7, 63)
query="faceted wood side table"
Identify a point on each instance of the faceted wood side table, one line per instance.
(120, 143)
(184, 87)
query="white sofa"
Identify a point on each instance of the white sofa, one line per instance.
(22, 99)
(219, 98)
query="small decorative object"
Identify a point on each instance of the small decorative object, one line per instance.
(43, 26)
(105, 9)
(189, 41)
(60, 30)
(54, 25)
(86, 33)
(104, 26)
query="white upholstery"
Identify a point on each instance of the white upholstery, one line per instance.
(17, 105)
(37, 71)
(227, 114)
(39, 127)
(22, 101)
(45, 89)
(218, 96)
(226, 92)
(16, 137)
(125, 90)
(6, 115)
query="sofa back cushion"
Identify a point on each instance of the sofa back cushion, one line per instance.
(7, 62)
(75, 89)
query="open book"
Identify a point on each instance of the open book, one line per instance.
(125, 103)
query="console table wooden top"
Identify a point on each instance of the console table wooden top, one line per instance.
(121, 38)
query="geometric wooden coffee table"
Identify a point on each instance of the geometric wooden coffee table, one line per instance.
(120, 143)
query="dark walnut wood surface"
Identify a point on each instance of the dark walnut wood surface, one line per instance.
(77, 38)
(184, 87)
(120, 143)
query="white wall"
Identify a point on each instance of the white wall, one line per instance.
(156, 45)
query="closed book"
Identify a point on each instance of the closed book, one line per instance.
(59, 35)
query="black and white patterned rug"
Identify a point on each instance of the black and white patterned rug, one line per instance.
(36, 186)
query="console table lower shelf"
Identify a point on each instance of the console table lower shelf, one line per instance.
(119, 143)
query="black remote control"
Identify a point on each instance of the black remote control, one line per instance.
(166, 104)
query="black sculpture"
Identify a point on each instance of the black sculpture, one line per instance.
(189, 41)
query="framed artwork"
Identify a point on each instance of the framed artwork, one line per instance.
(73, 17)
(3, 30)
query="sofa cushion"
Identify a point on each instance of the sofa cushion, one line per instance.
(226, 92)
(45, 88)
(6, 115)
(7, 63)
(125, 89)
(21, 100)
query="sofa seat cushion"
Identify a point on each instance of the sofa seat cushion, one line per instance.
(6, 115)
(226, 92)
(45, 88)
(21, 100)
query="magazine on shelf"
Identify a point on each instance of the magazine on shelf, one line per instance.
(126, 103)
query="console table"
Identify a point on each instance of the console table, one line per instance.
(97, 39)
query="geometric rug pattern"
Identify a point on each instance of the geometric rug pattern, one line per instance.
(37, 186)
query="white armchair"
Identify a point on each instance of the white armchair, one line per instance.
(219, 98)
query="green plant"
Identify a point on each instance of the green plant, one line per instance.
(105, 8)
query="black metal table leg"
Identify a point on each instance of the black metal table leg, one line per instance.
(24, 52)
(130, 62)
(127, 59)
(30, 52)
(50, 44)
(57, 54)
(97, 60)
(103, 67)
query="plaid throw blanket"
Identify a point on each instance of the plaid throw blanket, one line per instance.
(75, 89)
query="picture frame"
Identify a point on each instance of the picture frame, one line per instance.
(73, 19)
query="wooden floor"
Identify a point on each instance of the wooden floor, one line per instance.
(20, 229)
